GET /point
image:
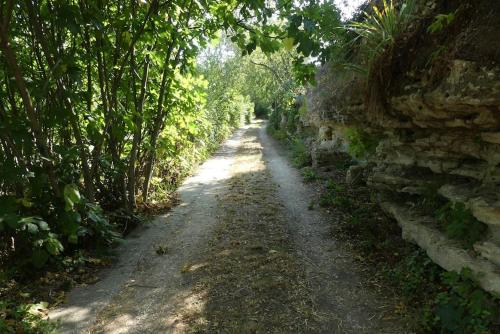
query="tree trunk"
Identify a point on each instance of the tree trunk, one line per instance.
(138, 121)
(158, 122)
(40, 140)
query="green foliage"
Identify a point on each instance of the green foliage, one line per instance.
(261, 111)
(24, 318)
(280, 135)
(361, 144)
(381, 27)
(71, 196)
(440, 22)
(109, 104)
(309, 174)
(38, 240)
(459, 223)
(300, 154)
(270, 82)
(416, 275)
(335, 196)
(452, 303)
(464, 307)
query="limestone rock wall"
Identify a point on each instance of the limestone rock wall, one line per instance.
(438, 133)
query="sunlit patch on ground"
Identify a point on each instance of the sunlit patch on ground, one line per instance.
(188, 313)
(252, 282)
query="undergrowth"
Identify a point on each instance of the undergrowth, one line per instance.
(24, 318)
(434, 300)
(300, 153)
(361, 144)
(309, 174)
(459, 223)
(298, 150)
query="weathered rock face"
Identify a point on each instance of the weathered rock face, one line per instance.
(438, 133)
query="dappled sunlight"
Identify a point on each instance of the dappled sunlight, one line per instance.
(193, 267)
(121, 324)
(249, 166)
(78, 314)
(189, 307)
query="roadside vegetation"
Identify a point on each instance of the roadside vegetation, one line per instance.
(106, 106)
(431, 299)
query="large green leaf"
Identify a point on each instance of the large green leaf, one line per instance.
(71, 196)
(53, 246)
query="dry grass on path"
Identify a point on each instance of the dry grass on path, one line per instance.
(251, 281)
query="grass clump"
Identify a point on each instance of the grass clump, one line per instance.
(300, 154)
(380, 28)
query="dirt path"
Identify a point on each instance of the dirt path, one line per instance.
(243, 254)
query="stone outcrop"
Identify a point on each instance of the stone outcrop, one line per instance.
(437, 133)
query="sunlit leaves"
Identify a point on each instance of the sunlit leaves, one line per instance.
(71, 196)
(83, 66)
(288, 43)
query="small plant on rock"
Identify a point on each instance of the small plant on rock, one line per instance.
(440, 22)
(459, 223)
(361, 144)
(380, 28)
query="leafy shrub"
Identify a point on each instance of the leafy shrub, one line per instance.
(459, 223)
(41, 232)
(24, 318)
(452, 303)
(440, 22)
(300, 153)
(415, 274)
(309, 174)
(463, 307)
(335, 196)
(280, 135)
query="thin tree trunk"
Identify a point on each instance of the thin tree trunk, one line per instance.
(164, 86)
(40, 140)
(61, 88)
(138, 121)
(158, 122)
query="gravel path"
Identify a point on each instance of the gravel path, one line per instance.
(243, 254)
